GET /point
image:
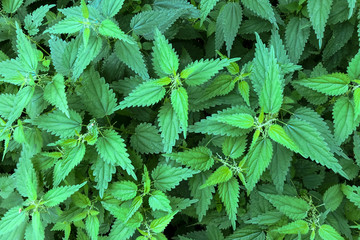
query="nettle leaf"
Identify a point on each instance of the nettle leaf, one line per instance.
(199, 72)
(165, 60)
(352, 193)
(333, 197)
(55, 94)
(22, 99)
(146, 139)
(278, 134)
(353, 69)
(33, 21)
(57, 195)
(296, 35)
(319, 13)
(146, 94)
(109, 8)
(27, 54)
(205, 7)
(38, 231)
(241, 120)
(68, 25)
(159, 201)
(328, 232)
(109, 29)
(221, 85)
(179, 101)
(12, 219)
(10, 6)
(293, 207)
(356, 102)
(112, 150)
(123, 190)
(169, 125)
(59, 124)
(262, 8)
(130, 54)
(229, 193)
(344, 119)
(221, 175)
(199, 158)
(299, 226)
(92, 225)
(234, 147)
(103, 174)
(257, 160)
(25, 178)
(99, 99)
(333, 84)
(159, 225)
(166, 177)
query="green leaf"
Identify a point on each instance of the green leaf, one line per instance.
(145, 94)
(280, 166)
(333, 197)
(351, 7)
(327, 232)
(102, 172)
(258, 159)
(27, 54)
(112, 150)
(299, 226)
(353, 69)
(135, 205)
(221, 175)
(229, 194)
(205, 7)
(12, 219)
(278, 134)
(123, 190)
(57, 195)
(33, 21)
(55, 94)
(165, 60)
(333, 84)
(293, 207)
(344, 119)
(199, 72)
(25, 177)
(109, 8)
(92, 226)
(38, 231)
(319, 13)
(356, 102)
(22, 99)
(159, 225)
(169, 125)
(262, 8)
(121, 229)
(166, 177)
(241, 120)
(179, 101)
(234, 147)
(109, 29)
(312, 144)
(352, 193)
(59, 124)
(199, 158)
(68, 25)
(159, 201)
(146, 139)
(72, 157)
(99, 99)
(220, 86)
(244, 90)
(7, 102)
(296, 35)
(10, 6)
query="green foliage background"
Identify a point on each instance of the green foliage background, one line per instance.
(175, 119)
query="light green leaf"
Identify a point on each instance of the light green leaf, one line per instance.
(199, 72)
(220, 86)
(27, 53)
(33, 20)
(159, 201)
(92, 226)
(258, 159)
(10, 6)
(293, 207)
(103, 174)
(110, 8)
(68, 25)
(145, 94)
(55, 94)
(59, 124)
(57, 195)
(12, 219)
(95, 93)
(72, 157)
(229, 193)
(262, 8)
(333, 197)
(14, 72)
(327, 232)
(22, 99)
(179, 101)
(240, 120)
(38, 231)
(205, 7)
(351, 7)
(244, 90)
(165, 60)
(159, 225)
(112, 150)
(299, 226)
(353, 69)
(356, 102)
(7, 102)
(169, 125)
(344, 119)
(319, 11)
(25, 177)
(109, 29)
(296, 35)
(135, 205)
(121, 229)
(234, 147)
(278, 134)
(312, 144)
(221, 175)
(123, 190)
(352, 193)
(332, 84)
(166, 177)
(146, 139)
(198, 158)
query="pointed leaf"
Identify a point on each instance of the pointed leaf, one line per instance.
(229, 194)
(159, 201)
(333, 197)
(146, 139)
(57, 195)
(221, 175)
(12, 219)
(123, 190)
(26, 180)
(55, 94)
(327, 232)
(179, 101)
(299, 226)
(278, 134)
(102, 172)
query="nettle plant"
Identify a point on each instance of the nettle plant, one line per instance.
(174, 119)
